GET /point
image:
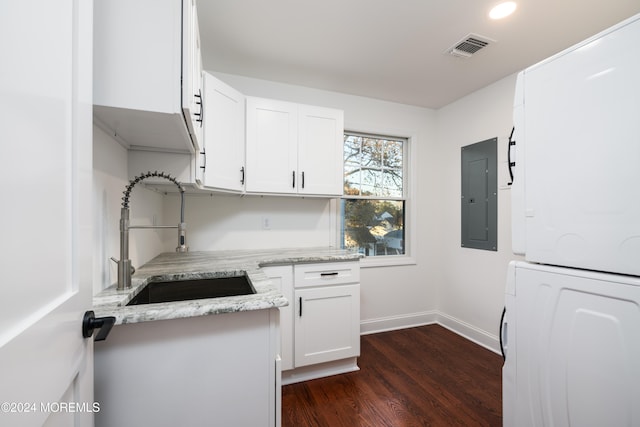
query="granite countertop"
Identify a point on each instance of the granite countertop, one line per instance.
(196, 265)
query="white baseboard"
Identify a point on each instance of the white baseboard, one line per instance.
(392, 323)
(466, 330)
(470, 332)
(320, 370)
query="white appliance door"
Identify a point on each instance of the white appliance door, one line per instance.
(46, 366)
(578, 148)
(574, 358)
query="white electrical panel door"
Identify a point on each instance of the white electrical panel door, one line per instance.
(577, 153)
(574, 350)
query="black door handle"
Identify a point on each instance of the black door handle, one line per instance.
(504, 355)
(90, 322)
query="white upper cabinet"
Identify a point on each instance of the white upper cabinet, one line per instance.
(221, 159)
(320, 143)
(293, 149)
(147, 73)
(272, 146)
(192, 81)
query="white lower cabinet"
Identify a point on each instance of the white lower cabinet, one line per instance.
(282, 278)
(321, 325)
(220, 370)
(327, 324)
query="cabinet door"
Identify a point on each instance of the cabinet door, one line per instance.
(192, 86)
(327, 325)
(272, 134)
(320, 142)
(223, 162)
(137, 70)
(282, 278)
(137, 56)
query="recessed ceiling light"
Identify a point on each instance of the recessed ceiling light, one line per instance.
(502, 10)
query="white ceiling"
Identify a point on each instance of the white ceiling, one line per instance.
(392, 49)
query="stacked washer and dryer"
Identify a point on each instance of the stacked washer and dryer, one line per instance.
(571, 330)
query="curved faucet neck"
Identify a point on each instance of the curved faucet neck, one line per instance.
(149, 174)
(124, 264)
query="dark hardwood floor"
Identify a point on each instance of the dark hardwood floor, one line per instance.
(423, 376)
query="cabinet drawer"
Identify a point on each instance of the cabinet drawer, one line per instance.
(333, 273)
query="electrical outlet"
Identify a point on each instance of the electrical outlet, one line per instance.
(266, 223)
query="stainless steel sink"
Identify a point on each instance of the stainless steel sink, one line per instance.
(184, 290)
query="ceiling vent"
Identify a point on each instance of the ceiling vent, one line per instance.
(469, 45)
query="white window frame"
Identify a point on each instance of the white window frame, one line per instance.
(410, 223)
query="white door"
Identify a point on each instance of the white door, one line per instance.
(45, 220)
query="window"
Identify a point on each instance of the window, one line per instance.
(373, 205)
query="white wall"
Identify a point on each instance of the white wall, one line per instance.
(227, 222)
(472, 289)
(110, 177)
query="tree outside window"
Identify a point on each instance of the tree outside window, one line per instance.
(373, 204)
